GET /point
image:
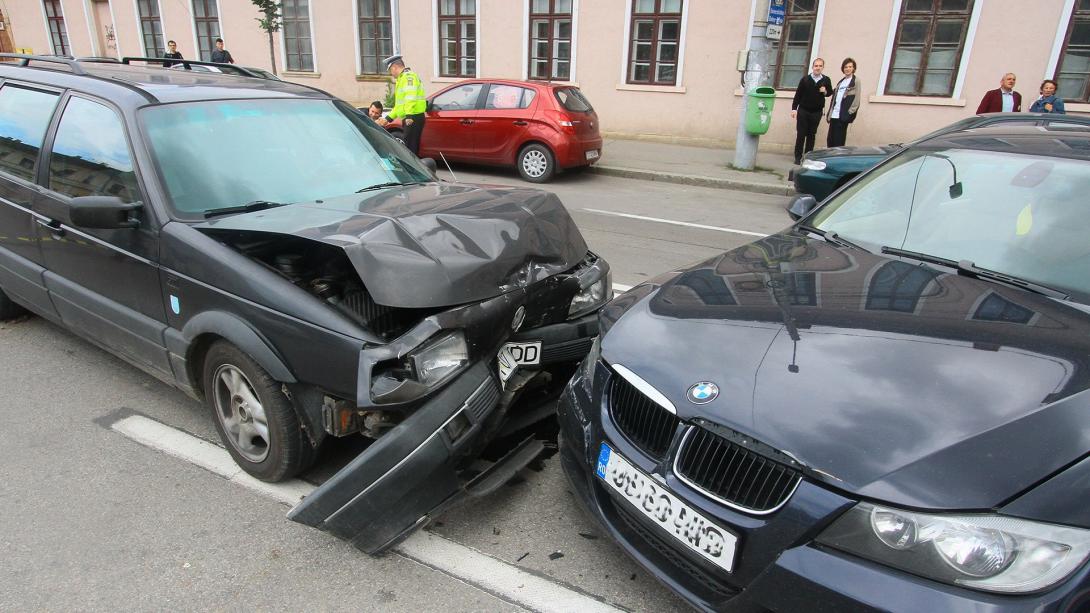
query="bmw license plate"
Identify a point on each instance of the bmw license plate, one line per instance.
(592, 154)
(655, 502)
(513, 355)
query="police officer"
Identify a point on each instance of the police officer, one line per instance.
(409, 102)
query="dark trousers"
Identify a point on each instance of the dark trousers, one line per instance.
(838, 133)
(806, 126)
(413, 130)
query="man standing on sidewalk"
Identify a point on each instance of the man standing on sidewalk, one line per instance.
(1002, 100)
(808, 107)
(221, 55)
(409, 102)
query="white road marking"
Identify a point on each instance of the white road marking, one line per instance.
(676, 223)
(448, 557)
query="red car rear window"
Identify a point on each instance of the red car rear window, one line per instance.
(573, 100)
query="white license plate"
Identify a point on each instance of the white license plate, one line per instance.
(654, 501)
(592, 155)
(513, 355)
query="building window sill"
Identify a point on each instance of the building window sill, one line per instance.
(920, 100)
(1075, 107)
(372, 77)
(665, 89)
(301, 75)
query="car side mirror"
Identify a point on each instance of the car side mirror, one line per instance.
(105, 212)
(432, 167)
(800, 206)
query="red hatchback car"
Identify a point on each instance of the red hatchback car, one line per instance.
(536, 127)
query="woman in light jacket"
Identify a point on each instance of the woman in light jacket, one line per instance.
(1049, 102)
(844, 104)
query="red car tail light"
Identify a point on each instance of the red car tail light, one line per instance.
(563, 120)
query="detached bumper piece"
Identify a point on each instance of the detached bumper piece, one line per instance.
(411, 473)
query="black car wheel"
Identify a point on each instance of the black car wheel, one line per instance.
(536, 163)
(254, 418)
(8, 308)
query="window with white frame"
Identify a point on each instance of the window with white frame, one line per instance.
(654, 42)
(792, 52)
(927, 50)
(376, 32)
(58, 34)
(1073, 73)
(457, 38)
(298, 53)
(151, 27)
(206, 20)
(550, 40)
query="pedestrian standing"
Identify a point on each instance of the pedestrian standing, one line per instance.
(808, 107)
(221, 55)
(1049, 102)
(844, 105)
(1002, 100)
(409, 102)
(171, 54)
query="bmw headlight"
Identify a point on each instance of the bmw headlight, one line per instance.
(440, 359)
(591, 297)
(813, 165)
(993, 553)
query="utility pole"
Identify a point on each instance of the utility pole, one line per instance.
(755, 75)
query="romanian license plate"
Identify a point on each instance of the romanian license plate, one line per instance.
(592, 154)
(652, 499)
(514, 355)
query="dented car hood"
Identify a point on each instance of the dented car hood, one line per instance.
(436, 244)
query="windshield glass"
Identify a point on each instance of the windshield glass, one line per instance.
(226, 153)
(1023, 215)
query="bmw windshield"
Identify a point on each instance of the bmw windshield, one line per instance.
(224, 154)
(1022, 215)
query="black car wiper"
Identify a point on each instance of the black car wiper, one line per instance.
(249, 207)
(969, 269)
(382, 185)
(831, 237)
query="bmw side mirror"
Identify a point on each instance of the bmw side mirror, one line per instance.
(105, 212)
(800, 206)
(432, 167)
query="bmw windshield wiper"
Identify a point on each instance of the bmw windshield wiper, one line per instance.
(249, 207)
(382, 185)
(969, 269)
(831, 237)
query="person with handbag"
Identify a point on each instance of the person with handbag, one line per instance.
(844, 106)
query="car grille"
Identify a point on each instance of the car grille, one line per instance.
(734, 474)
(644, 422)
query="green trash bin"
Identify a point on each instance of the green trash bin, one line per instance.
(759, 109)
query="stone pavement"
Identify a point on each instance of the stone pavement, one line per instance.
(691, 165)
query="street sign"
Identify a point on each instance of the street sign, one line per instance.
(773, 32)
(777, 11)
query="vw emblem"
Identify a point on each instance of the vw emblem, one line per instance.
(703, 392)
(517, 321)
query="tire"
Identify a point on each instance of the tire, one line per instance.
(8, 308)
(255, 420)
(397, 134)
(536, 163)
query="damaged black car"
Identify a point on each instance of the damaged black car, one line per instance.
(264, 248)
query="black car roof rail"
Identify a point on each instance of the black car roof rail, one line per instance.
(188, 63)
(26, 59)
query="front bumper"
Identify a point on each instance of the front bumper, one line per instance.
(778, 567)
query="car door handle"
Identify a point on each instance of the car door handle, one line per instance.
(466, 122)
(521, 123)
(53, 226)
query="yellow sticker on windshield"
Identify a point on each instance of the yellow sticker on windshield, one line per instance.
(1025, 221)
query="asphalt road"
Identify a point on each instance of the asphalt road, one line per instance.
(92, 520)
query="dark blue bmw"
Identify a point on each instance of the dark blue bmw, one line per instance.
(886, 406)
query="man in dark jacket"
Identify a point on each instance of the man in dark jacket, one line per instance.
(808, 107)
(221, 55)
(1002, 100)
(171, 54)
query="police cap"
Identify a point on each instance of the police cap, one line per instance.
(390, 61)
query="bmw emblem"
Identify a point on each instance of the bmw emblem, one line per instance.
(519, 318)
(703, 392)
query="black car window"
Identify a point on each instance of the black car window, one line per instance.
(24, 118)
(573, 100)
(461, 98)
(508, 97)
(90, 154)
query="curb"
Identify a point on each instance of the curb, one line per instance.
(783, 189)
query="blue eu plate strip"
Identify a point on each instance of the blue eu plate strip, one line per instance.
(603, 460)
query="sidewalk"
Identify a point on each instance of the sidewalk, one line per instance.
(693, 166)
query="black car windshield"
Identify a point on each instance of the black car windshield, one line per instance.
(1023, 215)
(226, 153)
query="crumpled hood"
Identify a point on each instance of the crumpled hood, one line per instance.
(434, 245)
(891, 380)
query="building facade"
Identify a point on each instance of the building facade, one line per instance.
(661, 69)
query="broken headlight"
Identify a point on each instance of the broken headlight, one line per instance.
(987, 552)
(591, 297)
(421, 370)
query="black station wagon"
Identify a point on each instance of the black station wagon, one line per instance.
(263, 247)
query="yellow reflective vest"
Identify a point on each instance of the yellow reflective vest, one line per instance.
(408, 95)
